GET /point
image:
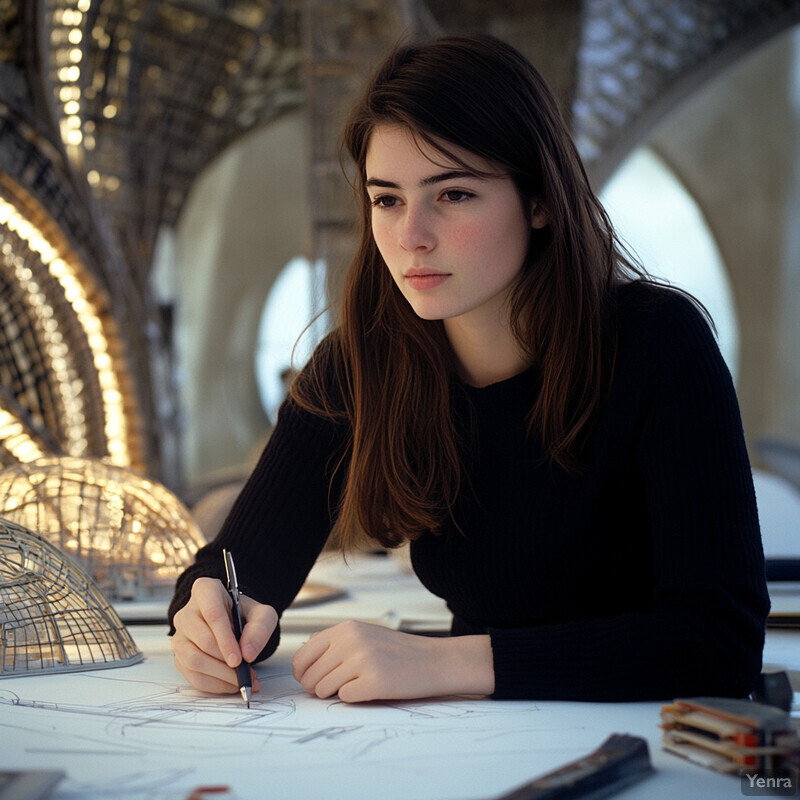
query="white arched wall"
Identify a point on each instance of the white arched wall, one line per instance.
(245, 218)
(734, 145)
(664, 228)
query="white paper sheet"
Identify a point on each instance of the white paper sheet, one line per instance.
(141, 732)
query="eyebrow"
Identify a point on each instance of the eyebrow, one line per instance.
(438, 178)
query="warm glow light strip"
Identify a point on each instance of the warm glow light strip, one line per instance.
(69, 387)
(66, 38)
(113, 403)
(15, 440)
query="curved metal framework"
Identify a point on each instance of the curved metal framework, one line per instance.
(146, 93)
(639, 58)
(53, 618)
(132, 535)
(109, 109)
(60, 356)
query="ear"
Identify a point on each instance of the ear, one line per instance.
(539, 218)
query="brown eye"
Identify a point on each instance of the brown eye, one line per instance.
(457, 195)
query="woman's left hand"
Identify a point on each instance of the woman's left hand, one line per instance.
(361, 661)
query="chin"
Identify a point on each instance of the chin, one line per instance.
(428, 308)
(428, 314)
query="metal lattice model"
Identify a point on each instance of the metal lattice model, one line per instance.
(132, 535)
(53, 617)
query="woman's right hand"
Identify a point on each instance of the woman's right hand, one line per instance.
(204, 645)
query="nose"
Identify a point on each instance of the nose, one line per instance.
(416, 231)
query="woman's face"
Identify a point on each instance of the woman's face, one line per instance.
(454, 242)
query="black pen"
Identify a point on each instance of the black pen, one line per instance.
(243, 670)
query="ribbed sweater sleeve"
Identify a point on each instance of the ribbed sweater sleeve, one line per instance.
(281, 520)
(701, 630)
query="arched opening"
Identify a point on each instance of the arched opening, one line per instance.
(291, 326)
(661, 223)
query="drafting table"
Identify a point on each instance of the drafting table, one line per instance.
(142, 732)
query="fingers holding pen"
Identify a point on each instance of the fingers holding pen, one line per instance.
(260, 622)
(213, 605)
(205, 646)
(201, 670)
(198, 654)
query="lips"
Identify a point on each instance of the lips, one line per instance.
(421, 278)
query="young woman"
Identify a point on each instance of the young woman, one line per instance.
(557, 436)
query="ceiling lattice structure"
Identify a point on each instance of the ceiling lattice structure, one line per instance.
(151, 91)
(109, 110)
(639, 58)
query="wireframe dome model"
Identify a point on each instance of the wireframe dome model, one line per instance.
(53, 617)
(132, 535)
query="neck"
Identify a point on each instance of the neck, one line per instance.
(485, 355)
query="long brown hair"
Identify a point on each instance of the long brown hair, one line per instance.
(393, 371)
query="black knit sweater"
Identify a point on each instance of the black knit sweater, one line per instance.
(641, 577)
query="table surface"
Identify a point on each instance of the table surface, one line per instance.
(141, 732)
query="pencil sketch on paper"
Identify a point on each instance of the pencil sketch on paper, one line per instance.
(180, 718)
(155, 727)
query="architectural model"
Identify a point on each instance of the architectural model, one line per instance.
(131, 534)
(53, 617)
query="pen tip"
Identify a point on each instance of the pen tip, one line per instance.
(245, 695)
